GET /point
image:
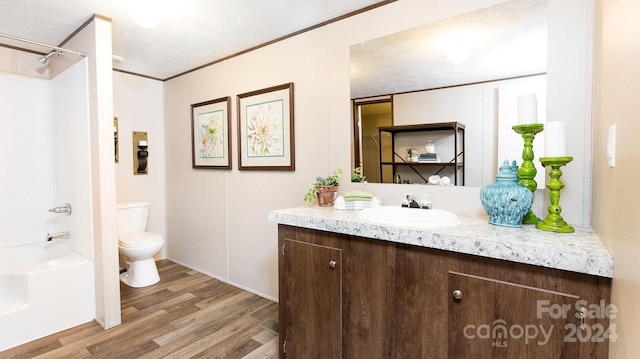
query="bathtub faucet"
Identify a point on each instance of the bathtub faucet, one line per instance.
(57, 235)
(66, 208)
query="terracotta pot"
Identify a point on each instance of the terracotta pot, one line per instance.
(326, 196)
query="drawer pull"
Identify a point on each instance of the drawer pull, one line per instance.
(332, 264)
(457, 294)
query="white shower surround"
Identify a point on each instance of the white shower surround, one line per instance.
(46, 162)
(46, 158)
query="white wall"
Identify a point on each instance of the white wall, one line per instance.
(216, 220)
(138, 104)
(196, 199)
(615, 193)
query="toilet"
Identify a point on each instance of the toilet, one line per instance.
(137, 246)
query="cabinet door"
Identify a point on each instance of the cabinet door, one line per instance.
(420, 319)
(311, 300)
(368, 294)
(494, 319)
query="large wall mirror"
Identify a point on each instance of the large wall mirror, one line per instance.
(468, 69)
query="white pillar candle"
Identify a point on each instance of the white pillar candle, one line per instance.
(527, 108)
(555, 144)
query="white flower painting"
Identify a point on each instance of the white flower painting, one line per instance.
(211, 134)
(265, 129)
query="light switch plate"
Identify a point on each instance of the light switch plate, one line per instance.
(611, 146)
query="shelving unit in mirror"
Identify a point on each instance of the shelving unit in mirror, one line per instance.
(449, 162)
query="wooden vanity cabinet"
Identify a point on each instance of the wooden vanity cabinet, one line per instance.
(525, 296)
(499, 318)
(398, 301)
(360, 320)
(313, 298)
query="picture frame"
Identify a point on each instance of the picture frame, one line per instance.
(266, 138)
(211, 134)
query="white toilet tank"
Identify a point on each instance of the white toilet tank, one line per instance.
(131, 217)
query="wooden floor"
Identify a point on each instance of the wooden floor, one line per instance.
(186, 315)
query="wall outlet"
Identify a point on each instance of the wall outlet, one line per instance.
(611, 146)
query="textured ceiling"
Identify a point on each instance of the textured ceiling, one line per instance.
(191, 33)
(506, 40)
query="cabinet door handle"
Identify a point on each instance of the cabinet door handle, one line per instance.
(457, 294)
(332, 264)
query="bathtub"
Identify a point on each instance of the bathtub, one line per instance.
(44, 288)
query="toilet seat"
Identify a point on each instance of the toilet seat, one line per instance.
(140, 240)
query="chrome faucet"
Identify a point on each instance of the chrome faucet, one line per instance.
(410, 201)
(57, 235)
(66, 208)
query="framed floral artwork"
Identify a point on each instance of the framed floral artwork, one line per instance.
(265, 129)
(211, 134)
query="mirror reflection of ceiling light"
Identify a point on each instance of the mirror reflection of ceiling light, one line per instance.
(458, 43)
(458, 53)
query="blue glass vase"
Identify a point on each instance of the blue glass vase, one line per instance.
(505, 201)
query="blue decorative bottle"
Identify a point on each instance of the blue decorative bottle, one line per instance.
(505, 201)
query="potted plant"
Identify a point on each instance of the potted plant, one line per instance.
(324, 189)
(356, 175)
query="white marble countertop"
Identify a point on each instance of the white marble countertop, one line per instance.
(581, 251)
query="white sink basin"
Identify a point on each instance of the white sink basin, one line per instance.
(409, 217)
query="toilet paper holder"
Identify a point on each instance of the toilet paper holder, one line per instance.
(140, 153)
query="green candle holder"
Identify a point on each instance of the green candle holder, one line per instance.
(554, 221)
(527, 170)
